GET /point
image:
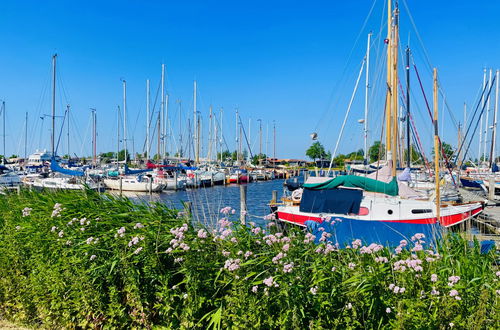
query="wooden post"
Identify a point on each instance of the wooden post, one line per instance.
(243, 204)
(437, 150)
(212, 180)
(121, 186)
(150, 185)
(275, 196)
(18, 187)
(188, 209)
(175, 180)
(196, 184)
(491, 188)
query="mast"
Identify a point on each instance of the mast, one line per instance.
(237, 140)
(210, 136)
(94, 135)
(125, 118)
(166, 127)
(67, 111)
(494, 133)
(486, 123)
(26, 138)
(408, 148)
(274, 142)
(52, 140)
(436, 147)
(162, 108)
(260, 141)
(147, 118)
(481, 125)
(388, 100)
(221, 135)
(3, 112)
(394, 85)
(367, 86)
(195, 121)
(117, 135)
(180, 129)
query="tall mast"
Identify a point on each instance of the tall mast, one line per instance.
(94, 135)
(394, 84)
(487, 124)
(125, 118)
(267, 141)
(221, 134)
(180, 129)
(408, 148)
(367, 86)
(165, 129)
(274, 142)
(67, 112)
(494, 133)
(52, 140)
(260, 140)
(436, 147)
(481, 125)
(195, 120)
(237, 140)
(147, 117)
(3, 112)
(117, 135)
(162, 108)
(388, 100)
(26, 138)
(210, 136)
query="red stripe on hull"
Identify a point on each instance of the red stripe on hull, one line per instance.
(446, 221)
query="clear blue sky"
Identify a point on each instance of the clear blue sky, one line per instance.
(294, 62)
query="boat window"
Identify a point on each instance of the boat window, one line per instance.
(389, 211)
(420, 211)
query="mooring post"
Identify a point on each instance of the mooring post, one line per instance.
(212, 180)
(121, 185)
(188, 209)
(151, 185)
(18, 189)
(275, 196)
(175, 180)
(196, 183)
(243, 203)
(491, 189)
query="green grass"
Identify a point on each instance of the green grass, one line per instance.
(161, 274)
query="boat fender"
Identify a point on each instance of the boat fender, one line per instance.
(297, 195)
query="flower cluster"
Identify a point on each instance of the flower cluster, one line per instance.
(27, 211)
(202, 233)
(138, 225)
(270, 282)
(411, 263)
(309, 238)
(278, 257)
(452, 280)
(56, 212)
(135, 240)
(370, 249)
(120, 232)
(396, 289)
(356, 244)
(177, 241)
(226, 210)
(270, 216)
(454, 293)
(382, 260)
(287, 268)
(232, 264)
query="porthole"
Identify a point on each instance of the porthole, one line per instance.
(389, 211)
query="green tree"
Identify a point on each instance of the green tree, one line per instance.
(316, 151)
(255, 159)
(376, 151)
(226, 154)
(121, 155)
(446, 148)
(415, 156)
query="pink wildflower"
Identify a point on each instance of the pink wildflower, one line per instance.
(202, 233)
(286, 247)
(453, 280)
(434, 278)
(388, 310)
(351, 265)
(314, 290)
(269, 281)
(255, 288)
(92, 257)
(348, 306)
(287, 268)
(138, 225)
(27, 211)
(61, 233)
(225, 253)
(232, 264)
(248, 254)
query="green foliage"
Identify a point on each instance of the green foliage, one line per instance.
(256, 158)
(316, 151)
(165, 273)
(447, 149)
(376, 151)
(415, 156)
(226, 154)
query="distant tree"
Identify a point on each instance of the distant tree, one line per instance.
(121, 155)
(226, 154)
(255, 159)
(447, 149)
(415, 156)
(376, 151)
(14, 156)
(316, 151)
(234, 155)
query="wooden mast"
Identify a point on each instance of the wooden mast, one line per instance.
(394, 88)
(388, 144)
(436, 147)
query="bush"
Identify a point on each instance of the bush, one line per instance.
(79, 259)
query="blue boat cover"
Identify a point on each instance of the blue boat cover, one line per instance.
(129, 171)
(54, 166)
(339, 201)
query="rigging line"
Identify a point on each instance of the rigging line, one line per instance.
(245, 135)
(482, 110)
(445, 156)
(472, 120)
(60, 132)
(347, 114)
(344, 70)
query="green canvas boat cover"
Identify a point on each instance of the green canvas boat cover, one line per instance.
(354, 181)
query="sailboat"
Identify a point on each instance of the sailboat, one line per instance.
(381, 209)
(60, 178)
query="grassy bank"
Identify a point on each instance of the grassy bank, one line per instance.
(78, 259)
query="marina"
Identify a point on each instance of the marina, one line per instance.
(250, 165)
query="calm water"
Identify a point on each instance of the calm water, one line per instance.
(207, 202)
